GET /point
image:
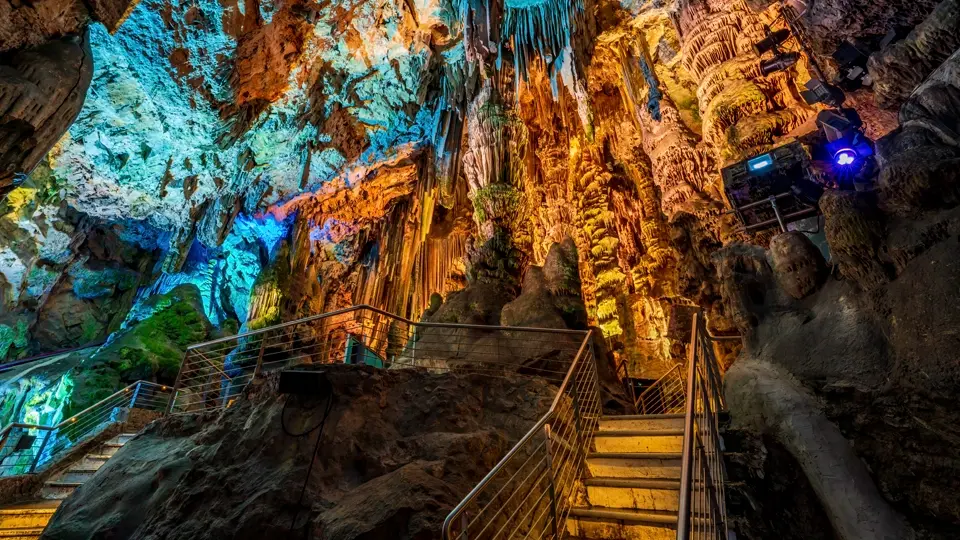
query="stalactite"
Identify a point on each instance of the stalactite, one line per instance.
(546, 205)
(457, 79)
(494, 167)
(681, 170)
(743, 112)
(551, 33)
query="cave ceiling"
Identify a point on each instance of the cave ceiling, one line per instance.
(381, 151)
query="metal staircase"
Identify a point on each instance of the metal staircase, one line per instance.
(579, 474)
(26, 521)
(576, 474)
(632, 480)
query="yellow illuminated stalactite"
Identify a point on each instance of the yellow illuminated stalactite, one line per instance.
(413, 262)
(547, 209)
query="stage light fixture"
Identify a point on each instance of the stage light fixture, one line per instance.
(771, 42)
(780, 62)
(845, 157)
(820, 92)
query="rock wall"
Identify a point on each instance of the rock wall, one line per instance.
(41, 92)
(392, 460)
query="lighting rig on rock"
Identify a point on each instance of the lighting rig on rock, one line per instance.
(773, 189)
(785, 184)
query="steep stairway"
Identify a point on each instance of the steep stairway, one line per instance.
(26, 521)
(632, 491)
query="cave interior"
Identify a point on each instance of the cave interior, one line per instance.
(785, 172)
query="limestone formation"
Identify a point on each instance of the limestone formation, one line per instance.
(853, 232)
(743, 112)
(393, 461)
(899, 69)
(41, 92)
(224, 166)
(920, 160)
(746, 281)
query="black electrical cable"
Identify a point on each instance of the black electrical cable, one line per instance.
(313, 459)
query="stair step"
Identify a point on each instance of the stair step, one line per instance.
(634, 465)
(631, 516)
(644, 441)
(58, 490)
(604, 523)
(64, 484)
(76, 475)
(643, 422)
(641, 433)
(107, 450)
(17, 517)
(30, 533)
(648, 483)
(89, 463)
(634, 493)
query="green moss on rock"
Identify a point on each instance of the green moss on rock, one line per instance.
(151, 349)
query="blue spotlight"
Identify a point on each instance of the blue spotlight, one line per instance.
(845, 157)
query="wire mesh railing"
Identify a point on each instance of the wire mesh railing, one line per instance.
(702, 510)
(666, 396)
(26, 448)
(530, 492)
(214, 373)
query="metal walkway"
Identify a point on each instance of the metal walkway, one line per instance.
(576, 474)
(579, 474)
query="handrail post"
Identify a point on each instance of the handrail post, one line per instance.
(176, 383)
(686, 463)
(263, 347)
(136, 393)
(36, 458)
(553, 484)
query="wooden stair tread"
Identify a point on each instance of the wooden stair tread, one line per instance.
(21, 531)
(619, 514)
(643, 417)
(641, 433)
(41, 505)
(634, 455)
(63, 484)
(639, 483)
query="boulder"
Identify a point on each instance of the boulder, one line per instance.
(920, 162)
(854, 232)
(397, 452)
(899, 69)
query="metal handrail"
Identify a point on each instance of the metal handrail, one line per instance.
(702, 504)
(665, 396)
(31, 359)
(214, 372)
(79, 426)
(361, 307)
(536, 429)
